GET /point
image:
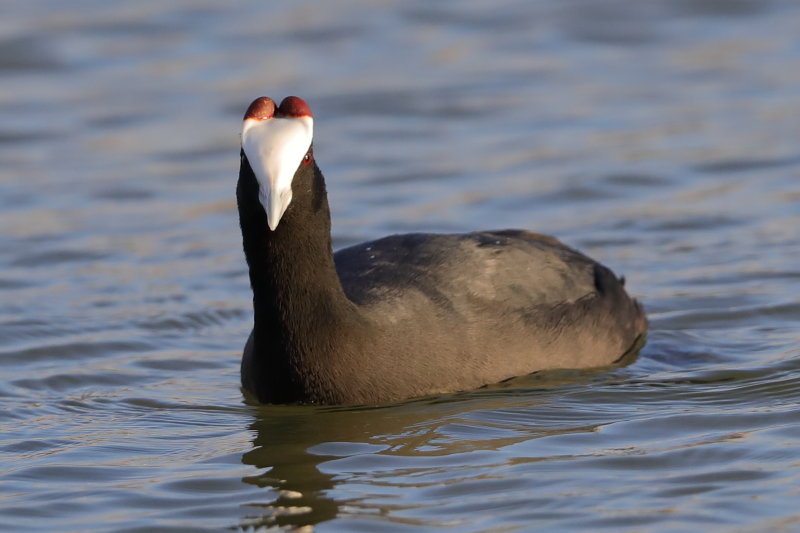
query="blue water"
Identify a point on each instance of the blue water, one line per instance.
(659, 137)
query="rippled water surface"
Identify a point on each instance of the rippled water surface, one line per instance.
(660, 137)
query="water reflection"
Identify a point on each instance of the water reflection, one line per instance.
(310, 455)
(283, 438)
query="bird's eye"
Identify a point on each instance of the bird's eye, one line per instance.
(308, 158)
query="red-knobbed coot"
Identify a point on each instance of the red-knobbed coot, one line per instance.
(406, 315)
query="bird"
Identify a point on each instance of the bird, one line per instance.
(408, 315)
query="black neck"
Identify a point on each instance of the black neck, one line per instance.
(297, 296)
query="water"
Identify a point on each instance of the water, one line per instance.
(660, 137)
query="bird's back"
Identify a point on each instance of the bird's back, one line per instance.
(514, 270)
(477, 308)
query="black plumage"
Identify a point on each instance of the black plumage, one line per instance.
(416, 314)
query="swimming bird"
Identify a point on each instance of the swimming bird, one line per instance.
(406, 315)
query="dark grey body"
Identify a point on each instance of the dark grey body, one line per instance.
(418, 314)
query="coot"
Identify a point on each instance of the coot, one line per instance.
(406, 315)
